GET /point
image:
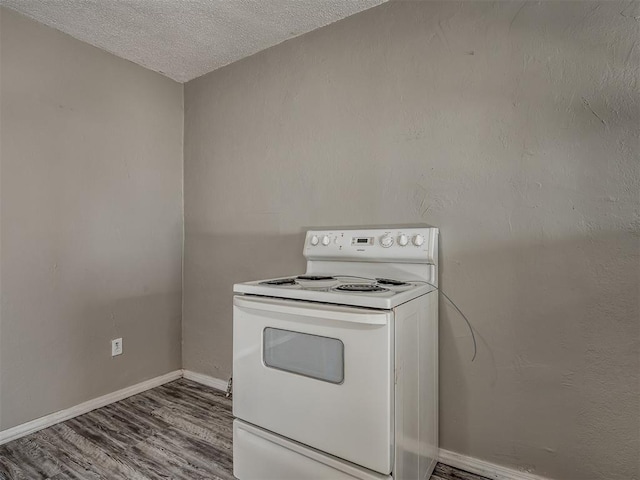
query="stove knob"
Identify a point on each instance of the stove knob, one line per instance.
(418, 240)
(326, 240)
(386, 241)
(314, 240)
(403, 240)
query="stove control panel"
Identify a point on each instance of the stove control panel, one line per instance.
(411, 244)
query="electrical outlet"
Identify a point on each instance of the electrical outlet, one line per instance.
(116, 347)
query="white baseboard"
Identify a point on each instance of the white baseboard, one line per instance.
(483, 468)
(57, 417)
(212, 382)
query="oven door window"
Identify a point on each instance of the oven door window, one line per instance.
(313, 356)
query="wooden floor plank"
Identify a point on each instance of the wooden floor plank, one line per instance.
(216, 434)
(27, 459)
(450, 473)
(179, 431)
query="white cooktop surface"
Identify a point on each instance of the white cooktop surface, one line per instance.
(378, 293)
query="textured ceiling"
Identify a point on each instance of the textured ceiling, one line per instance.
(184, 39)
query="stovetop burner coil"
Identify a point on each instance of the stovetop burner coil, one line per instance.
(314, 278)
(280, 282)
(389, 281)
(361, 287)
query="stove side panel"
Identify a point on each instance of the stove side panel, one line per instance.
(416, 388)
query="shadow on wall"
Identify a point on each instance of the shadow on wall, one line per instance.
(213, 263)
(565, 379)
(70, 362)
(150, 328)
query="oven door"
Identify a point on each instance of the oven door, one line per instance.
(318, 374)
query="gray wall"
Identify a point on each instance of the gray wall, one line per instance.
(514, 128)
(91, 219)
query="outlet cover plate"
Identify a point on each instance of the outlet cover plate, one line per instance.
(116, 347)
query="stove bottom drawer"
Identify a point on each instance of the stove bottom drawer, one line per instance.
(262, 455)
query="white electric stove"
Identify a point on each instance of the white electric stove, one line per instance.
(335, 370)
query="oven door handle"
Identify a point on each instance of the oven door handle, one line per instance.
(341, 314)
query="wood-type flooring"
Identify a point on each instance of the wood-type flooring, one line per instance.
(179, 431)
